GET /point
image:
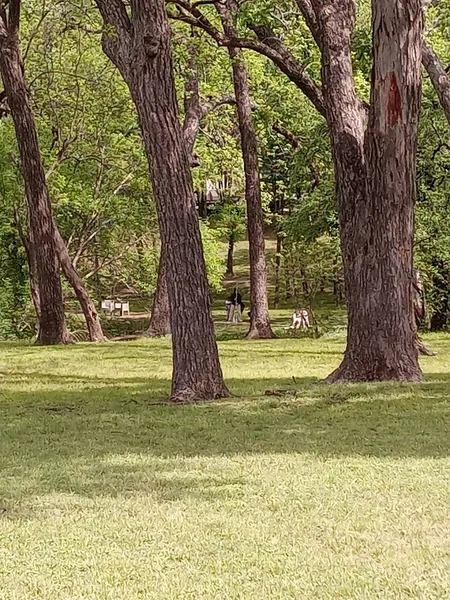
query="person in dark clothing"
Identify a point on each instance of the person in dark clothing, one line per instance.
(234, 301)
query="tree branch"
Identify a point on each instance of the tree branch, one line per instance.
(309, 14)
(213, 105)
(293, 140)
(114, 13)
(287, 63)
(110, 261)
(438, 76)
(288, 135)
(267, 45)
(194, 111)
(34, 33)
(123, 183)
(115, 16)
(83, 245)
(62, 156)
(197, 19)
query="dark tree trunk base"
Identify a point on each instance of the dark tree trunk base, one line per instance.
(66, 339)
(157, 333)
(194, 396)
(368, 370)
(259, 331)
(160, 317)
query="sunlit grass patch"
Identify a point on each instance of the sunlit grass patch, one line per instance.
(328, 492)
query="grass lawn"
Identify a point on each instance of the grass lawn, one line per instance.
(107, 494)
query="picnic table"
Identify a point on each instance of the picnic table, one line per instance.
(116, 306)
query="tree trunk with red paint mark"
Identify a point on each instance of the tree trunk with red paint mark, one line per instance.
(371, 212)
(378, 239)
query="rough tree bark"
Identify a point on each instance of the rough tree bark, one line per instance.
(140, 47)
(377, 233)
(160, 313)
(194, 113)
(90, 313)
(93, 324)
(52, 327)
(32, 270)
(260, 327)
(331, 23)
(160, 317)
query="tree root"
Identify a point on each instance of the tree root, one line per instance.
(424, 350)
(191, 396)
(281, 393)
(256, 333)
(349, 372)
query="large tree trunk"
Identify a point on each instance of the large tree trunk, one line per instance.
(91, 316)
(376, 189)
(260, 327)
(368, 282)
(141, 50)
(194, 112)
(52, 327)
(93, 324)
(160, 317)
(32, 270)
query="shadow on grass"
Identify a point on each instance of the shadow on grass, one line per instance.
(105, 436)
(379, 419)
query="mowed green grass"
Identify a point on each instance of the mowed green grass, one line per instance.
(108, 493)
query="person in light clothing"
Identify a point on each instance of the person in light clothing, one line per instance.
(300, 320)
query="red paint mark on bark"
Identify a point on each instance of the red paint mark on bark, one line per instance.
(394, 107)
